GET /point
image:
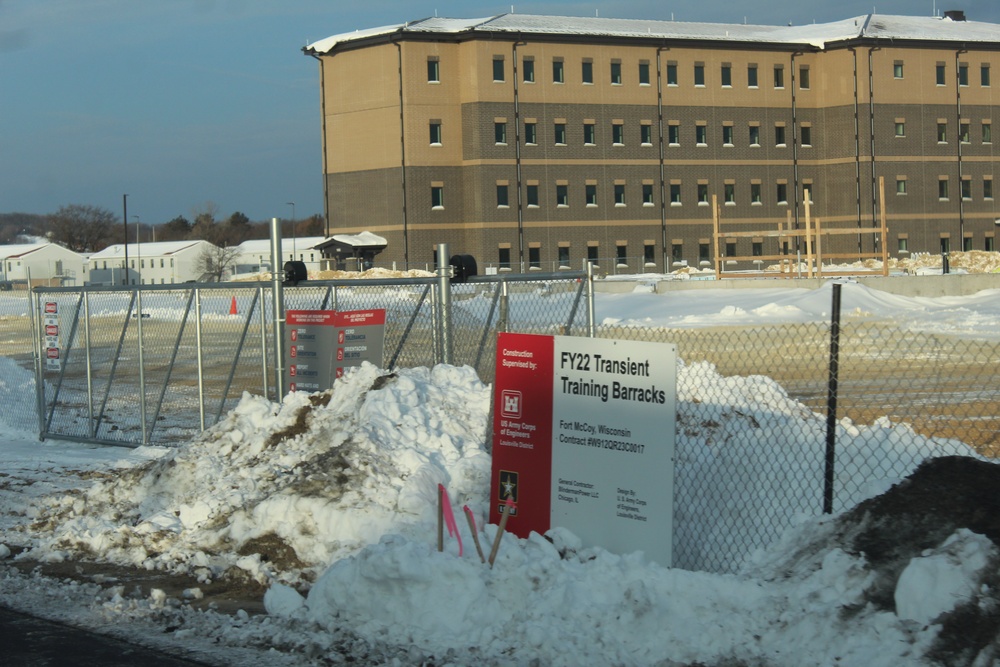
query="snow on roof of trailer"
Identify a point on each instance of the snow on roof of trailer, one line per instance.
(869, 26)
(150, 249)
(20, 249)
(263, 246)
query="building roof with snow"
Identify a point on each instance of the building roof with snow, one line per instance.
(155, 248)
(817, 36)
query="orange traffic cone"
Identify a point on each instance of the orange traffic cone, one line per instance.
(232, 307)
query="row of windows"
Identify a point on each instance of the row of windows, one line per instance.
(701, 133)
(622, 258)
(619, 192)
(698, 73)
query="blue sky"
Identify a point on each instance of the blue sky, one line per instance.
(185, 103)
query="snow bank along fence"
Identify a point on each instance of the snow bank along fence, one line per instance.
(156, 364)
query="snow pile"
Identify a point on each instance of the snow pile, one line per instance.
(317, 477)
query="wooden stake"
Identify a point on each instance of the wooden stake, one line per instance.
(475, 535)
(440, 519)
(504, 513)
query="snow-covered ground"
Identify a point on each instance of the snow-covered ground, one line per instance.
(328, 502)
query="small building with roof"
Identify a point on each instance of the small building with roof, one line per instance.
(156, 263)
(255, 254)
(36, 264)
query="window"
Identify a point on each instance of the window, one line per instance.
(967, 244)
(674, 135)
(588, 71)
(779, 76)
(701, 135)
(966, 186)
(897, 69)
(902, 245)
(500, 132)
(751, 76)
(676, 252)
(649, 253)
(534, 257)
(943, 188)
(437, 196)
(803, 78)
(617, 134)
(755, 135)
(987, 132)
(703, 254)
(729, 193)
(589, 134)
(619, 194)
(699, 74)
(987, 188)
(621, 253)
(590, 194)
(502, 198)
(939, 74)
(433, 70)
(558, 73)
(727, 135)
(964, 132)
(530, 133)
(727, 75)
(963, 74)
(781, 193)
(703, 194)
(755, 193)
(531, 195)
(675, 194)
(779, 135)
(900, 185)
(563, 256)
(808, 191)
(945, 244)
(560, 134)
(671, 74)
(498, 69)
(730, 249)
(757, 248)
(435, 132)
(646, 135)
(984, 75)
(643, 73)
(503, 258)
(806, 133)
(647, 194)
(900, 128)
(562, 195)
(942, 132)
(592, 254)
(616, 73)
(528, 70)
(990, 244)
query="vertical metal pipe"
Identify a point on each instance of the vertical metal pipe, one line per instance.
(91, 430)
(263, 343)
(278, 303)
(142, 371)
(36, 347)
(591, 323)
(503, 323)
(831, 402)
(201, 366)
(444, 287)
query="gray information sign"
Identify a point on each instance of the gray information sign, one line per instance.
(322, 343)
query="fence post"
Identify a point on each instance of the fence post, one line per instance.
(444, 287)
(279, 311)
(91, 425)
(142, 371)
(831, 402)
(201, 360)
(591, 324)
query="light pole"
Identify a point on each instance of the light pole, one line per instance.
(125, 226)
(292, 204)
(138, 248)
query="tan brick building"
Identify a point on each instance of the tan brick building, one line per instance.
(541, 142)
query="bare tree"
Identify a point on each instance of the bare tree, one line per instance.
(215, 262)
(82, 228)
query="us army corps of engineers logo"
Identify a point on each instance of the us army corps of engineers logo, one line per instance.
(508, 489)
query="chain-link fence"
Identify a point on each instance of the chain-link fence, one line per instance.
(766, 433)
(131, 366)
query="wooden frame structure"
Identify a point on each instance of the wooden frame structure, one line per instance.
(813, 236)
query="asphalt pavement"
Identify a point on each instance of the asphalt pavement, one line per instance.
(29, 641)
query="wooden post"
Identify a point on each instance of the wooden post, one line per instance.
(809, 243)
(715, 226)
(819, 249)
(885, 230)
(440, 518)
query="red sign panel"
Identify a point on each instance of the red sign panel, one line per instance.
(522, 432)
(51, 307)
